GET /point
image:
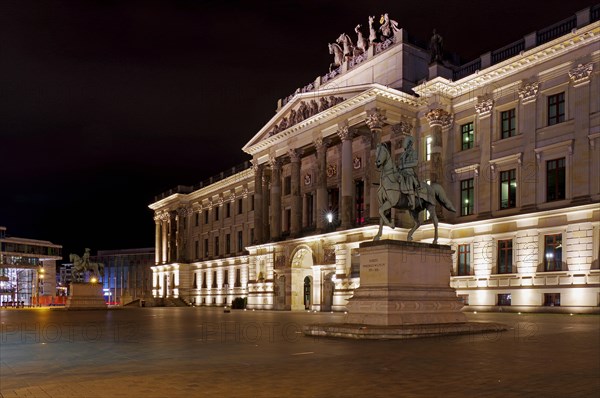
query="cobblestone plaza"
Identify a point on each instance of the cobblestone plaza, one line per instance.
(176, 352)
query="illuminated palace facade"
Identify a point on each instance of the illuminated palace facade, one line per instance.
(513, 137)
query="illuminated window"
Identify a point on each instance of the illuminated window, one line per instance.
(467, 197)
(552, 299)
(467, 136)
(508, 123)
(428, 141)
(504, 299)
(505, 256)
(556, 108)
(555, 179)
(508, 189)
(553, 252)
(464, 260)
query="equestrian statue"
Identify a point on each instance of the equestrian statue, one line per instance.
(399, 188)
(82, 265)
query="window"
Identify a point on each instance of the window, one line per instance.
(240, 241)
(508, 123)
(508, 189)
(505, 256)
(288, 219)
(551, 299)
(467, 197)
(227, 243)
(553, 252)
(228, 209)
(226, 279)
(310, 205)
(251, 235)
(195, 280)
(556, 108)
(333, 198)
(555, 179)
(240, 206)
(467, 136)
(196, 249)
(197, 219)
(238, 278)
(214, 279)
(287, 185)
(252, 203)
(359, 202)
(217, 208)
(504, 299)
(204, 281)
(428, 141)
(206, 217)
(216, 245)
(464, 260)
(205, 247)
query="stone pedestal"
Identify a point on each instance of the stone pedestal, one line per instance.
(404, 283)
(85, 296)
(404, 293)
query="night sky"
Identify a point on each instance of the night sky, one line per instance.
(104, 104)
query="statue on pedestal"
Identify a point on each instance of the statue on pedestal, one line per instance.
(361, 42)
(399, 188)
(436, 48)
(388, 26)
(83, 264)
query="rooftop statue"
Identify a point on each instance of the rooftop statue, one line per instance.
(436, 48)
(388, 26)
(400, 189)
(372, 31)
(83, 264)
(361, 43)
(338, 56)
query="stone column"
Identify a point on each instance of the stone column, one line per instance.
(296, 221)
(375, 122)
(157, 239)
(484, 137)
(321, 200)
(165, 236)
(258, 202)
(580, 182)
(275, 198)
(172, 236)
(366, 157)
(266, 230)
(438, 119)
(527, 126)
(180, 237)
(346, 211)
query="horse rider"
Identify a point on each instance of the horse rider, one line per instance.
(407, 160)
(85, 260)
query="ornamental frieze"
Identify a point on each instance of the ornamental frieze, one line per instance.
(304, 111)
(331, 170)
(403, 128)
(581, 74)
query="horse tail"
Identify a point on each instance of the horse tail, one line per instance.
(441, 197)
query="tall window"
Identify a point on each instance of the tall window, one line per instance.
(217, 208)
(428, 141)
(508, 123)
(287, 185)
(196, 249)
(206, 217)
(359, 202)
(205, 247)
(467, 136)
(505, 256)
(240, 205)
(216, 245)
(464, 260)
(197, 219)
(228, 209)
(214, 279)
(333, 200)
(556, 108)
(310, 219)
(227, 243)
(251, 236)
(555, 179)
(553, 252)
(252, 203)
(238, 278)
(508, 189)
(467, 197)
(240, 241)
(288, 219)
(226, 278)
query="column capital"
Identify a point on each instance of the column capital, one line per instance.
(528, 92)
(484, 107)
(295, 154)
(580, 74)
(375, 120)
(345, 133)
(274, 162)
(321, 143)
(439, 117)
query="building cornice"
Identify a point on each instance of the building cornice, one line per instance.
(537, 55)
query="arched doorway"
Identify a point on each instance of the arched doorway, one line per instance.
(302, 263)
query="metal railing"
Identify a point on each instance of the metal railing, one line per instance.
(554, 31)
(508, 51)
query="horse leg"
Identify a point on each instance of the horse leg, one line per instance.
(378, 236)
(382, 209)
(415, 216)
(431, 210)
